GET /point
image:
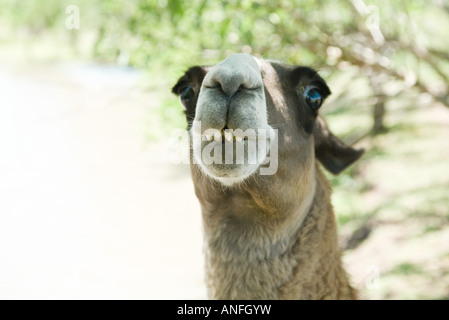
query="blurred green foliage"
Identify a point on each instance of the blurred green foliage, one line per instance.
(175, 32)
(402, 43)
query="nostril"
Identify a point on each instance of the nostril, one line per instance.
(214, 85)
(230, 83)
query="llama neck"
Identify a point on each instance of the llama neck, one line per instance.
(318, 256)
(249, 259)
(256, 223)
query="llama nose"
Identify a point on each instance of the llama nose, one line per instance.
(238, 71)
(229, 91)
(228, 81)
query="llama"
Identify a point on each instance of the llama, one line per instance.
(267, 236)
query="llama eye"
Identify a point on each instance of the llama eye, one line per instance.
(313, 97)
(186, 94)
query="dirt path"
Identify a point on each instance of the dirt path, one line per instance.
(89, 209)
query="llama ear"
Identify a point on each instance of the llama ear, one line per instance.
(333, 153)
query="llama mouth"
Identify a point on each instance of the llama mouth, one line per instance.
(230, 135)
(225, 136)
(231, 155)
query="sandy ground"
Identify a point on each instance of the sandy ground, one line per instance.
(89, 209)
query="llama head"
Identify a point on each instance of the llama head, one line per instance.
(265, 108)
